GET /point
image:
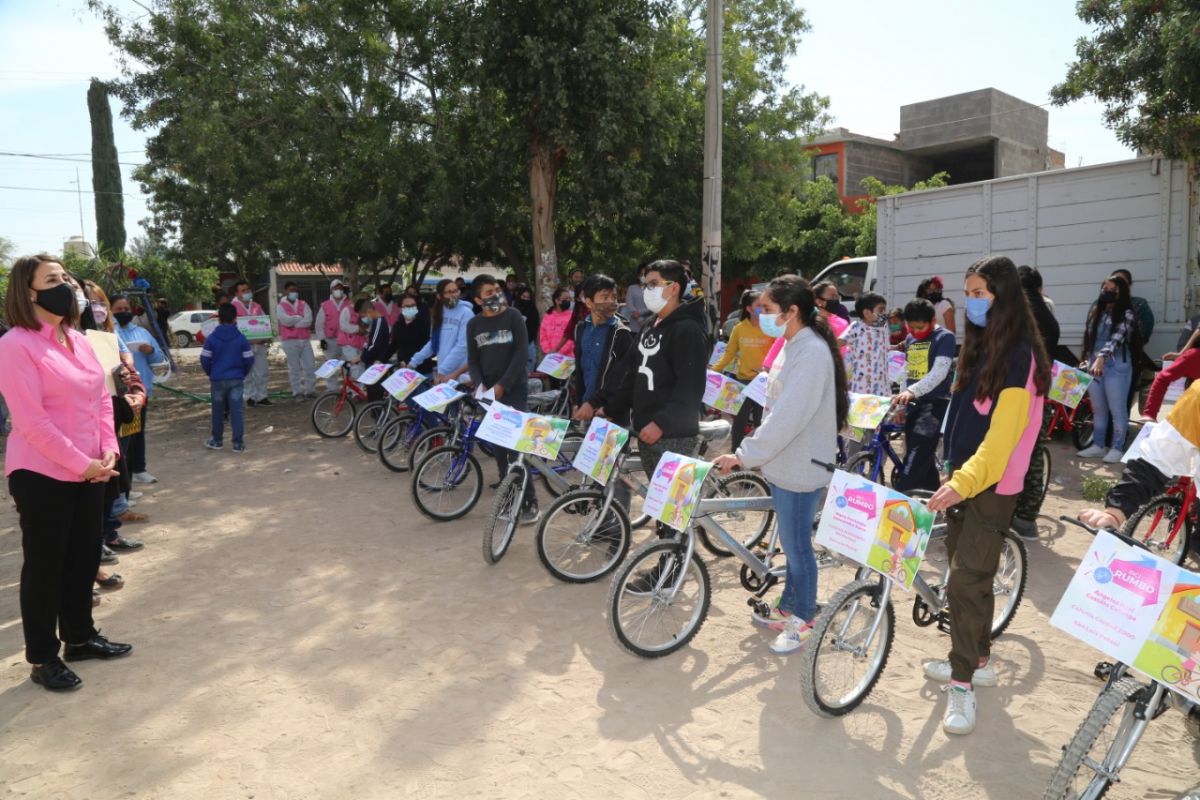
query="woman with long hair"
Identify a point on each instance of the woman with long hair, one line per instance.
(807, 404)
(931, 289)
(1111, 347)
(748, 346)
(991, 430)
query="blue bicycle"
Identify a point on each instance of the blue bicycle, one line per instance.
(399, 437)
(878, 452)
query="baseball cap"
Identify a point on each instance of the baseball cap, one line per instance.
(336, 282)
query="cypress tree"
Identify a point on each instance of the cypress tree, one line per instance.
(106, 174)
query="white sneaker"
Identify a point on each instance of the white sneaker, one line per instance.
(940, 671)
(134, 495)
(959, 718)
(144, 477)
(1113, 456)
(1095, 451)
(795, 633)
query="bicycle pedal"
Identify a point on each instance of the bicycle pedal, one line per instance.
(1103, 670)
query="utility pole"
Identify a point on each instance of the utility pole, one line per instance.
(79, 193)
(710, 280)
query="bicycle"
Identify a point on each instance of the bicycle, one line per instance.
(856, 628)
(413, 423)
(1166, 524)
(1092, 761)
(870, 461)
(1077, 421)
(333, 413)
(372, 420)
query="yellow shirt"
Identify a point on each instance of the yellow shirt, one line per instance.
(749, 345)
(1185, 415)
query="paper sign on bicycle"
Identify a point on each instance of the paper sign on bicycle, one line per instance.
(556, 365)
(403, 382)
(440, 396)
(674, 490)
(897, 367)
(876, 526)
(1067, 384)
(329, 368)
(717, 353)
(373, 373)
(1135, 449)
(256, 329)
(524, 432)
(757, 390)
(867, 410)
(723, 394)
(1138, 608)
(601, 447)
(1175, 389)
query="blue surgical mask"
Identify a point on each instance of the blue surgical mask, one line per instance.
(771, 325)
(977, 310)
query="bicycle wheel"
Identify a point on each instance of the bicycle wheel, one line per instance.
(1155, 524)
(866, 464)
(427, 441)
(369, 424)
(841, 662)
(659, 622)
(748, 527)
(562, 465)
(447, 483)
(1093, 758)
(1082, 433)
(333, 415)
(501, 524)
(575, 544)
(1009, 584)
(395, 443)
(1044, 478)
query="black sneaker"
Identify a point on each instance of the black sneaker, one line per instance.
(1025, 528)
(108, 556)
(265, 402)
(530, 514)
(249, 404)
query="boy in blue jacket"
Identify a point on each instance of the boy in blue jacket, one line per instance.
(226, 359)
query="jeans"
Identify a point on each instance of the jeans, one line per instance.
(137, 448)
(533, 356)
(795, 512)
(1110, 395)
(922, 429)
(227, 392)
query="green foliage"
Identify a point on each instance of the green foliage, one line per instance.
(1141, 63)
(179, 281)
(1096, 488)
(106, 173)
(7, 255)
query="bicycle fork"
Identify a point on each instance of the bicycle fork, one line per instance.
(882, 597)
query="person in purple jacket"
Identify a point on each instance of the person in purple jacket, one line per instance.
(227, 359)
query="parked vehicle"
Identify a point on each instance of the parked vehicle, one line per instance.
(185, 326)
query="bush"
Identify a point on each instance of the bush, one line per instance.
(1095, 488)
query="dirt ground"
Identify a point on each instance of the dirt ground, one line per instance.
(300, 631)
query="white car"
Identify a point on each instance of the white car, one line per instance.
(186, 324)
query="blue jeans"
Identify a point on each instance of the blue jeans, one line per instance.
(1110, 397)
(227, 393)
(795, 512)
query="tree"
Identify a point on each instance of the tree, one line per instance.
(106, 174)
(1141, 63)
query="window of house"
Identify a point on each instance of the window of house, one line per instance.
(826, 165)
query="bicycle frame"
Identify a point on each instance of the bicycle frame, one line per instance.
(1185, 489)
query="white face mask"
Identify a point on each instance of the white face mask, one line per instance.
(247, 297)
(338, 294)
(654, 299)
(293, 296)
(81, 302)
(408, 312)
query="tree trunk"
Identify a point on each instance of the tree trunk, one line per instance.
(544, 164)
(350, 267)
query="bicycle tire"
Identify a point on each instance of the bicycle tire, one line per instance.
(566, 454)
(1044, 482)
(501, 524)
(431, 439)
(858, 599)
(395, 444)
(1016, 554)
(439, 463)
(609, 538)
(1083, 428)
(864, 465)
(329, 417)
(367, 430)
(1103, 712)
(1160, 515)
(645, 558)
(725, 488)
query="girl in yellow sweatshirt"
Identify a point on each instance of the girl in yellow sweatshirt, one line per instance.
(749, 346)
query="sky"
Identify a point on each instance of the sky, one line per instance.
(869, 58)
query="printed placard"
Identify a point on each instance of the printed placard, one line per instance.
(722, 393)
(524, 432)
(600, 449)
(897, 367)
(256, 329)
(1137, 608)
(440, 396)
(556, 365)
(867, 410)
(403, 382)
(108, 353)
(674, 490)
(757, 390)
(1135, 449)
(718, 351)
(876, 526)
(373, 373)
(1068, 384)
(329, 368)
(1176, 387)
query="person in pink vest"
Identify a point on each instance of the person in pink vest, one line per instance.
(352, 334)
(256, 381)
(387, 308)
(295, 329)
(328, 317)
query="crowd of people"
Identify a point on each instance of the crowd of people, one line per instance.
(641, 357)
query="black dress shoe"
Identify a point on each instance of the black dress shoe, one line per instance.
(95, 647)
(55, 676)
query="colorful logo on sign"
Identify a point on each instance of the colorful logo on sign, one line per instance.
(860, 500)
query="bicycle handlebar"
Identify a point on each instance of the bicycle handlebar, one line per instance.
(1129, 540)
(828, 467)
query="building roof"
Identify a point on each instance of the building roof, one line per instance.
(296, 269)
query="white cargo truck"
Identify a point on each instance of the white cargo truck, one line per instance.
(1075, 225)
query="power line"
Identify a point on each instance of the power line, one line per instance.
(65, 191)
(75, 160)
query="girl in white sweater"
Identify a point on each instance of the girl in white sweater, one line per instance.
(806, 406)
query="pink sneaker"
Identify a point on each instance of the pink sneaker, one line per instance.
(775, 620)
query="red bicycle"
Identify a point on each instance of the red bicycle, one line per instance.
(1077, 421)
(1165, 524)
(333, 413)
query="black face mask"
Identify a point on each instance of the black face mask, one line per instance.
(934, 297)
(58, 301)
(1108, 297)
(565, 305)
(123, 318)
(493, 303)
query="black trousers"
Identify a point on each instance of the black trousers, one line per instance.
(922, 429)
(61, 524)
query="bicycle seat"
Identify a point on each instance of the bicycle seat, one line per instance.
(714, 430)
(542, 400)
